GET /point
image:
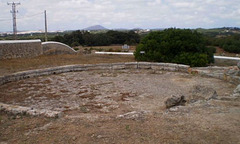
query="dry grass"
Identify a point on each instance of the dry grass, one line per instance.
(15, 65)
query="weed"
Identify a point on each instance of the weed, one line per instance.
(194, 72)
(76, 49)
(127, 127)
(84, 109)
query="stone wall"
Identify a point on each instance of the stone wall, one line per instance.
(31, 48)
(20, 49)
(53, 48)
(74, 68)
(230, 74)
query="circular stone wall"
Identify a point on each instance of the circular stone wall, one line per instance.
(111, 92)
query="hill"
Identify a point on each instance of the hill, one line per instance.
(95, 27)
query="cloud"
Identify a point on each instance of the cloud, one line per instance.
(78, 14)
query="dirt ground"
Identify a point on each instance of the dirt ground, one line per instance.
(121, 106)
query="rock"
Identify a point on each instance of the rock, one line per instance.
(20, 110)
(232, 72)
(238, 65)
(99, 136)
(214, 96)
(74, 138)
(173, 109)
(236, 92)
(203, 93)
(175, 101)
(134, 115)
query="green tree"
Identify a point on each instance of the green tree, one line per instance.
(175, 45)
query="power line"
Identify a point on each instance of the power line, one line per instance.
(14, 17)
(23, 17)
(31, 16)
(5, 19)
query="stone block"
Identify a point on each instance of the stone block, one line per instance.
(98, 66)
(131, 65)
(183, 68)
(118, 66)
(43, 72)
(79, 68)
(144, 65)
(158, 66)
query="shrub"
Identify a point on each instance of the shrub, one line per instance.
(228, 43)
(212, 49)
(233, 48)
(210, 52)
(76, 49)
(75, 44)
(192, 59)
(175, 45)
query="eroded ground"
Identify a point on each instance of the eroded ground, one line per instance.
(124, 106)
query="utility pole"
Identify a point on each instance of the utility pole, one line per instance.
(45, 16)
(14, 11)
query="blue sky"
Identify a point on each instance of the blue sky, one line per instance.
(79, 14)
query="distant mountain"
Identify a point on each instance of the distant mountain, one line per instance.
(137, 28)
(95, 27)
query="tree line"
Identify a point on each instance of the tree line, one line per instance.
(86, 38)
(228, 43)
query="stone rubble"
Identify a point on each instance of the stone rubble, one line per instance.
(175, 101)
(236, 92)
(134, 115)
(20, 110)
(200, 92)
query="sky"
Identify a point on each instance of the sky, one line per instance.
(147, 14)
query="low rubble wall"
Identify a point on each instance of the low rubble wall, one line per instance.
(230, 74)
(73, 68)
